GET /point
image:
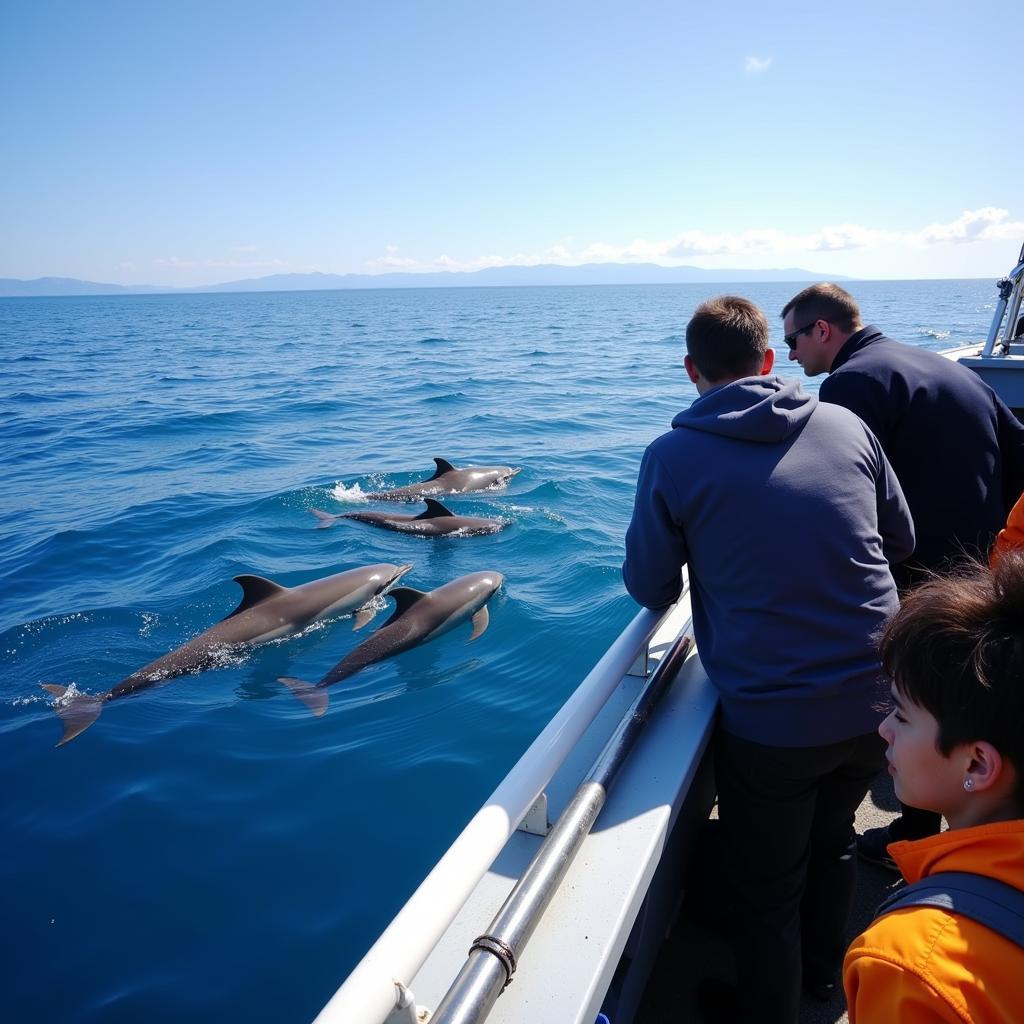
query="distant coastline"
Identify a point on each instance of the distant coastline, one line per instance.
(542, 274)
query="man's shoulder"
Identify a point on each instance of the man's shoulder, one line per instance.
(895, 367)
(676, 439)
(835, 419)
(887, 354)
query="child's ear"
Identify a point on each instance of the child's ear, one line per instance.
(985, 767)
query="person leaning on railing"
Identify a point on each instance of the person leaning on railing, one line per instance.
(787, 515)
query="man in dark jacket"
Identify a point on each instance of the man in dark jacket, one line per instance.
(957, 450)
(787, 514)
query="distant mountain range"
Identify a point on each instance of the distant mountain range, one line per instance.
(544, 274)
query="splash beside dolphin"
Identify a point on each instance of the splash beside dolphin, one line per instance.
(267, 611)
(437, 521)
(449, 480)
(418, 618)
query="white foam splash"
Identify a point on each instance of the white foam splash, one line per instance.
(20, 702)
(930, 332)
(226, 655)
(68, 696)
(351, 495)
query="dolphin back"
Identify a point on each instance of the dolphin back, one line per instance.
(443, 466)
(435, 510)
(254, 590)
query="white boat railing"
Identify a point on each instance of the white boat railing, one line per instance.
(379, 983)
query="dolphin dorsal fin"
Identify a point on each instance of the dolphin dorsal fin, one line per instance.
(443, 466)
(405, 598)
(254, 590)
(435, 510)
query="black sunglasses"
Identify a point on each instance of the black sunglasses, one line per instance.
(790, 339)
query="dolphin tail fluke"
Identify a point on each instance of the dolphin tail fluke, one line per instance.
(480, 622)
(315, 698)
(326, 518)
(77, 712)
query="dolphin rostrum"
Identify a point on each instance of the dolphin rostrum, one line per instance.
(449, 480)
(418, 618)
(437, 521)
(267, 611)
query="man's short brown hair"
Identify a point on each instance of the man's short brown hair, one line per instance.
(956, 649)
(825, 301)
(727, 337)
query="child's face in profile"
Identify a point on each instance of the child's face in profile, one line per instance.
(923, 776)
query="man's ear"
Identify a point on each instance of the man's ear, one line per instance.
(691, 369)
(769, 362)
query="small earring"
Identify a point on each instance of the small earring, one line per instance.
(968, 784)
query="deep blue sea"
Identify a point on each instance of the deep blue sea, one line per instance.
(208, 850)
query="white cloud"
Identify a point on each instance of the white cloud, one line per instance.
(179, 264)
(391, 260)
(986, 224)
(760, 245)
(757, 65)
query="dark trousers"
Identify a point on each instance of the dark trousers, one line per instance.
(787, 818)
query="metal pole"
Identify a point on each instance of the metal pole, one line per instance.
(1006, 288)
(493, 956)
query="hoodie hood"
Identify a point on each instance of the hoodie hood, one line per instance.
(764, 409)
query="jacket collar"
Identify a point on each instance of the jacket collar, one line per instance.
(996, 850)
(855, 342)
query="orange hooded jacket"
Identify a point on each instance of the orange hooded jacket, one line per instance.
(923, 964)
(1011, 536)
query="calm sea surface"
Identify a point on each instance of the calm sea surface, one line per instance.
(208, 850)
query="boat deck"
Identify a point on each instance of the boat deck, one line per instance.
(1003, 374)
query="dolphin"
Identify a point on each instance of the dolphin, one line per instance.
(418, 618)
(437, 521)
(267, 611)
(449, 480)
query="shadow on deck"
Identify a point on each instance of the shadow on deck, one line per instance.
(694, 950)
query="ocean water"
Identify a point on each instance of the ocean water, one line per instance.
(208, 850)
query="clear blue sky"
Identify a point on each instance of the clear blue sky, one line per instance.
(188, 143)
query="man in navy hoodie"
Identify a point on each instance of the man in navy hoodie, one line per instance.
(957, 450)
(787, 515)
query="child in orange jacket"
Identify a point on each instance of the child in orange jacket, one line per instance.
(955, 655)
(1011, 536)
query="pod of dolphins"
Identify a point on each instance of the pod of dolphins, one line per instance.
(269, 611)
